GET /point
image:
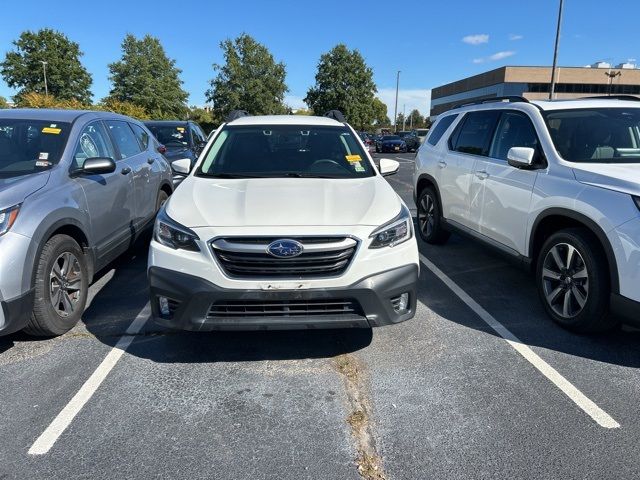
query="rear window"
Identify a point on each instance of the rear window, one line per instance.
(30, 146)
(439, 129)
(286, 151)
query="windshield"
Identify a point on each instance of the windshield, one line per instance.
(596, 135)
(388, 138)
(173, 137)
(30, 146)
(286, 151)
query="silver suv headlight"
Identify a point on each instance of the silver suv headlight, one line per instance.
(7, 218)
(171, 234)
(394, 232)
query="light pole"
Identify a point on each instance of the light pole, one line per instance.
(44, 71)
(395, 110)
(611, 76)
(555, 53)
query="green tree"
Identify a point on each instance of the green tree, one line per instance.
(399, 121)
(379, 115)
(344, 82)
(146, 77)
(250, 79)
(4, 103)
(67, 78)
(204, 118)
(415, 119)
(124, 108)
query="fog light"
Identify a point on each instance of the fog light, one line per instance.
(164, 306)
(401, 303)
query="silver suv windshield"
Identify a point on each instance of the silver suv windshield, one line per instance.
(30, 146)
(596, 135)
(260, 151)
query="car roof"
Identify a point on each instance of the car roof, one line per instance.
(603, 102)
(56, 114)
(286, 120)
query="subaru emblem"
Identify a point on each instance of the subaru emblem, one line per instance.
(285, 248)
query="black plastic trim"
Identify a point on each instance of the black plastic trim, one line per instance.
(628, 310)
(17, 312)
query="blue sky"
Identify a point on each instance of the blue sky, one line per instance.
(431, 42)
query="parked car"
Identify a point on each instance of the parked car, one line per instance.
(422, 134)
(411, 139)
(554, 185)
(181, 139)
(391, 144)
(76, 189)
(310, 236)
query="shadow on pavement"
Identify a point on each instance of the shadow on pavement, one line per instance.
(509, 294)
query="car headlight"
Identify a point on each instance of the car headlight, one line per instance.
(173, 235)
(7, 218)
(392, 233)
(637, 201)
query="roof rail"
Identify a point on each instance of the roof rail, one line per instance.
(509, 98)
(336, 115)
(235, 114)
(632, 98)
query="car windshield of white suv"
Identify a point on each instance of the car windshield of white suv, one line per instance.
(30, 146)
(596, 135)
(285, 151)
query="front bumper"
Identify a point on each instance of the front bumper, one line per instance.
(194, 297)
(392, 149)
(15, 313)
(628, 310)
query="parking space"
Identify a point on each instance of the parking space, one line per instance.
(441, 396)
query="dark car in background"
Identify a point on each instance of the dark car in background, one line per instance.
(391, 144)
(411, 139)
(181, 139)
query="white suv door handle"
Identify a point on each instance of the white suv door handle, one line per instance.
(482, 174)
(442, 164)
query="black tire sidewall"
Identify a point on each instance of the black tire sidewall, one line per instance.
(46, 316)
(593, 317)
(437, 225)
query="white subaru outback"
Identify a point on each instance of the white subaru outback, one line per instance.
(555, 185)
(284, 222)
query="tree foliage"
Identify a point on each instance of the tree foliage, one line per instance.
(204, 118)
(379, 113)
(4, 103)
(415, 119)
(344, 82)
(399, 121)
(123, 108)
(250, 79)
(147, 78)
(40, 100)
(67, 78)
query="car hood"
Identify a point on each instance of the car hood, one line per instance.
(204, 202)
(14, 190)
(621, 177)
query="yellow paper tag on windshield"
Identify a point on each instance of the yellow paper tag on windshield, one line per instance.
(180, 129)
(353, 158)
(55, 131)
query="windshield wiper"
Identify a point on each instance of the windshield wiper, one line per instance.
(305, 175)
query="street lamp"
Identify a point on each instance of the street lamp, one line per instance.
(395, 110)
(611, 76)
(44, 71)
(555, 53)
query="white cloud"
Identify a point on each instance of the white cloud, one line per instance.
(419, 99)
(476, 39)
(514, 37)
(495, 57)
(294, 101)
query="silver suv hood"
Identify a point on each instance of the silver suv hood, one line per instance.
(621, 177)
(14, 190)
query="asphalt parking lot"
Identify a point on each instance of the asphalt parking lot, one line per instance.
(480, 384)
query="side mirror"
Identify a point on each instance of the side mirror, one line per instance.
(388, 167)
(98, 166)
(182, 166)
(520, 157)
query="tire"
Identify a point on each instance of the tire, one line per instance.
(430, 226)
(377, 150)
(162, 199)
(573, 283)
(62, 263)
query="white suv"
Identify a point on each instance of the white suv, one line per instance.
(284, 222)
(555, 185)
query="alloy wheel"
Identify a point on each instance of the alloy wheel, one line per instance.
(65, 284)
(426, 215)
(565, 280)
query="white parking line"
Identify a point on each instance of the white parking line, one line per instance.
(601, 417)
(49, 437)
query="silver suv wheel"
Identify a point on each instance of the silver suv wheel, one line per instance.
(565, 280)
(65, 283)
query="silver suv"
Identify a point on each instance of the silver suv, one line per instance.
(76, 189)
(555, 186)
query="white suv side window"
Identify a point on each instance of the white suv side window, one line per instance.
(514, 130)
